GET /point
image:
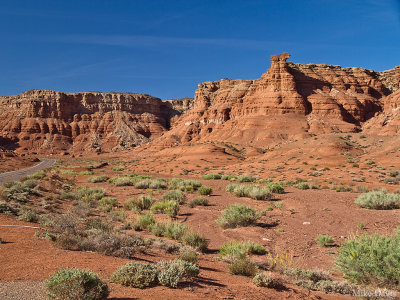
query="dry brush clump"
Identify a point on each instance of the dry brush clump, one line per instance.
(378, 200)
(143, 275)
(238, 215)
(72, 284)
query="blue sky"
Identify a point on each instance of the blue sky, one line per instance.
(165, 48)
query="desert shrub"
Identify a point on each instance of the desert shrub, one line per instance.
(324, 240)
(237, 215)
(251, 191)
(122, 181)
(264, 280)
(246, 178)
(110, 244)
(183, 184)
(275, 187)
(313, 275)
(95, 179)
(158, 183)
(68, 241)
(228, 177)
(302, 186)
(328, 286)
(158, 229)
(107, 203)
(146, 221)
(231, 187)
(90, 194)
(72, 284)
(137, 275)
(378, 200)
(118, 168)
(172, 272)
(97, 224)
(38, 175)
(243, 266)
(204, 190)
(87, 172)
(140, 203)
(189, 256)
(68, 195)
(235, 249)
(198, 202)
(174, 230)
(6, 208)
(371, 259)
(171, 208)
(211, 176)
(20, 192)
(195, 240)
(28, 215)
(176, 195)
(1, 241)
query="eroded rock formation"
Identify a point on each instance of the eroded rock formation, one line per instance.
(42, 120)
(289, 101)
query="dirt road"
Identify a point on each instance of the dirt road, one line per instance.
(18, 174)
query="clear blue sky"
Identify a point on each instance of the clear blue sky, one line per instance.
(165, 48)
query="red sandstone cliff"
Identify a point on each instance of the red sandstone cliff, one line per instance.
(289, 101)
(41, 120)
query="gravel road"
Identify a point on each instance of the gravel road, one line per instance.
(18, 174)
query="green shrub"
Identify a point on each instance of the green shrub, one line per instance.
(176, 195)
(107, 203)
(184, 185)
(275, 187)
(171, 273)
(371, 259)
(95, 179)
(302, 186)
(228, 177)
(20, 191)
(146, 221)
(204, 190)
(313, 275)
(86, 172)
(140, 203)
(6, 208)
(324, 240)
(118, 168)
(158, 183)
(251, 191)
(237, 215)
(88, 194)
(189, 256)
(28, 215)
(72, 284)
(171, 208)
(243, 266)
(38, 175)
(158, 229)
(235, 249)
(211, 176)
(195, 240)
(122, 181)
(198, 202)
(246, 178)
(378, 200)
(174, 230)
(1, 241)
(137, 275)
(264, 280)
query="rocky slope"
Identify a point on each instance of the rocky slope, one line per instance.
(50, 121)
(289, 101)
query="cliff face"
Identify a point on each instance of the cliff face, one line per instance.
(289, 101)
(41, 120)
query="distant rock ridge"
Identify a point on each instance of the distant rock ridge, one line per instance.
(44, 120)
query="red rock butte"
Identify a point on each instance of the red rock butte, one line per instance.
(290, 101)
